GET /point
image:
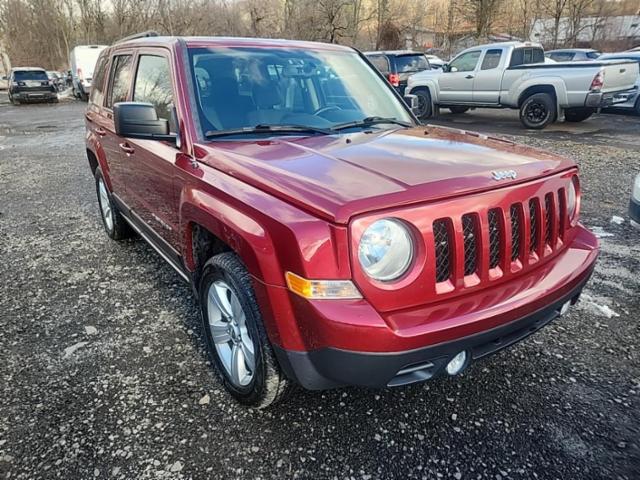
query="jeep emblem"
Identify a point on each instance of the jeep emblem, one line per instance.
(503, 174)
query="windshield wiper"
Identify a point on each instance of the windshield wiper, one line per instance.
(263, 128)
(369, 121)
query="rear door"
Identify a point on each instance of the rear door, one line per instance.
(152, 163)
(456, 85)
(118, 87)
(486, 85)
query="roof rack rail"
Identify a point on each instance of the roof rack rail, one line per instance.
(148, 33)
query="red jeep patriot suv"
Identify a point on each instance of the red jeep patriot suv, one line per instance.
(329, 238)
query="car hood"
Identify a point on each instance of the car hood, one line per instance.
(339, 176)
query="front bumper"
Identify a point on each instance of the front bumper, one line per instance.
(609, 99)
(349, 343)
(331, 367)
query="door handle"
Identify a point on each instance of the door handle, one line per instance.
(469, 77)
(126, 148)
(101, 132)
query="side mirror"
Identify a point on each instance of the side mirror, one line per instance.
(411, 101)
(445, 67)
(140, 120)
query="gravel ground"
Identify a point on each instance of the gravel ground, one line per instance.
(103, 372)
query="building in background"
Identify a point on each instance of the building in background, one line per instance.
(606, 33)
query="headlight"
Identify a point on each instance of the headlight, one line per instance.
(572, 198)
(386, 249)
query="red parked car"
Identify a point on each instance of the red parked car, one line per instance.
(329, 238)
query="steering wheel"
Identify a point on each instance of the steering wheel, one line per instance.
(328, 108)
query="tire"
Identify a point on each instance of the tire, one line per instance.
(537, 111)
(258, 383)
(84, 97)
(577, 114)
(14, 101)
(637, 107)
(425, 109)
(114, 223)
(458, 109)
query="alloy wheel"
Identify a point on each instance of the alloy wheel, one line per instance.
(105, 205)
(230, 335)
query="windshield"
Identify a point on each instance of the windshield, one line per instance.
(411, 63)
(22, 75)
(245, 87)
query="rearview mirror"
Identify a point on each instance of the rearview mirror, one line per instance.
(140, 120)
(411, 101)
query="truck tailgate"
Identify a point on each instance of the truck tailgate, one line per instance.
(619, 75)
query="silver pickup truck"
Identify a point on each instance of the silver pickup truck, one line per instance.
(515, 75)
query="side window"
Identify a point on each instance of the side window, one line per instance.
(466, 62)
(491, 59)
(97, 87)
(380, 62)
(120, 79)
(153, 84)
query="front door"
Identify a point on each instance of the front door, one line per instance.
(151, 172)
(486, 85)
(456, 84)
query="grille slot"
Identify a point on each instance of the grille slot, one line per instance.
(495, 228)
(470, 232)
(442, 237)
(533, 221)
(548, 217)
(562, 208)
(516, 223)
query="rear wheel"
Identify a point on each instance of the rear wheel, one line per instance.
(458, 109)
(538, 110)
(236, 339)
(13, 101)
(424, 109)
(114, 223)
(637, 108)
(578, 114)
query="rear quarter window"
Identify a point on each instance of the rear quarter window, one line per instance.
(97, 88)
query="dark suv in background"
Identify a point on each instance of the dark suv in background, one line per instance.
(398, 65)
(29, 84)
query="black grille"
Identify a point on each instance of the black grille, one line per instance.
(562, 208)
(443, 250)
(533, 217)
(548, 218)
(470, 232)
(494, 238)
(516, 222)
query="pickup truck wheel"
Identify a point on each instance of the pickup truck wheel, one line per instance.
(577, 114)
(458, 109)
(424, 109)
(637, 108)
(538, 111)
(236, 339)
(114, 224)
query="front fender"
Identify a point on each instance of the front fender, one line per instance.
(429, 83)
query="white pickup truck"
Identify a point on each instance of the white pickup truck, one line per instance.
(515, 75)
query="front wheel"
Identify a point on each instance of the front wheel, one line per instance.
(235, 335)
(577, 114)
(537, 111)
(424, 109)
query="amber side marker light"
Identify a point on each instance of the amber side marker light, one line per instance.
(321, 289)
